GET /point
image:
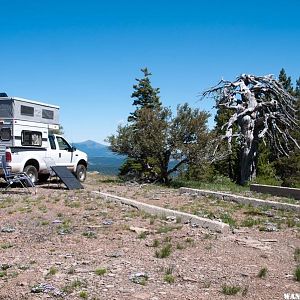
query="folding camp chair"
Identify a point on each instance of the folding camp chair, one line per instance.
(16, 178)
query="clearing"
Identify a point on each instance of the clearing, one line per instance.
(75, 245)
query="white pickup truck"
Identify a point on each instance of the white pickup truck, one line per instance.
(28, 142)
(36, 162)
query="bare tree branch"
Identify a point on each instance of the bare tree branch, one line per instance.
(262, 108)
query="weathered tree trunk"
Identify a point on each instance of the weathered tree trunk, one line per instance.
(248, 150)
(263, 109)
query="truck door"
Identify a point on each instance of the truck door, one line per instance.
(62, 154)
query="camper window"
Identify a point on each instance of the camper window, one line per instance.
(47, 114)
(5, 110)
(31, 138)
(27, 110)
(5, 134)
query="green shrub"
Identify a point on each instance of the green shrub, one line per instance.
(83, 294)
(297, 255)
(100, 271)
(164, 252)
(230, 289)
(297, 273)
(169, 278)
(262, 273)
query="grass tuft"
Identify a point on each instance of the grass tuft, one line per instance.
(100, 271)
(164, 252)
(262, 273)
(169, 278)
(297, 273)
(230, 289)
(297, 255)
(83, 294)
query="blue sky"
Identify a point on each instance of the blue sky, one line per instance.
(85, 55)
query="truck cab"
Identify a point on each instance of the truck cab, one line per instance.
(63, 154)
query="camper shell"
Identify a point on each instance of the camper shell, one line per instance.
(26, 123)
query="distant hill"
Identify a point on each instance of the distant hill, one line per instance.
(94, 149)
(100, 157)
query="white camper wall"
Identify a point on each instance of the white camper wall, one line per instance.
(30, 134)
(28, 110)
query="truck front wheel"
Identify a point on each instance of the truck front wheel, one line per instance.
(81, 172)
(32, 172)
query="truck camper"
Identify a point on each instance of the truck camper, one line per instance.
(29, 140)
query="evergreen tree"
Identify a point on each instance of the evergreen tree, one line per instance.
(288, 168)
(144, 95)
(152, 136)
(285, 80)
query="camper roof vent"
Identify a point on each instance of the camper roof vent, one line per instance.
(3, 95)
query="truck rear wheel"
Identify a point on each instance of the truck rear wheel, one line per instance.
(32, 172)
(81, 172)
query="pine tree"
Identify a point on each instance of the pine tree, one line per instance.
(152, 136)
(285, 80)
(288, 168)
(144, 95)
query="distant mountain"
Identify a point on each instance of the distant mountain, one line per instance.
(94, 149)
(100, 157)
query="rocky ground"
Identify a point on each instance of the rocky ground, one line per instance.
(74, 245)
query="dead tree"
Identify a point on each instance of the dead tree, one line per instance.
(262, 109)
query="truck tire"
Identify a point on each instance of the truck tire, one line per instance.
(81, 172)
(32, 172)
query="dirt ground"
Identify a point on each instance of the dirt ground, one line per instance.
(74, 245)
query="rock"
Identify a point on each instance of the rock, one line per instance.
(171, 218)
(139, 230)
(189, 279)
(47, 289)
(8, 229)
(56, 222)
(269, 227)
(4, 267)
(115, 254)
(139, 277)
(269, 214)
(68, 255)
(252, 243)
(107, 222)
(269, 240)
